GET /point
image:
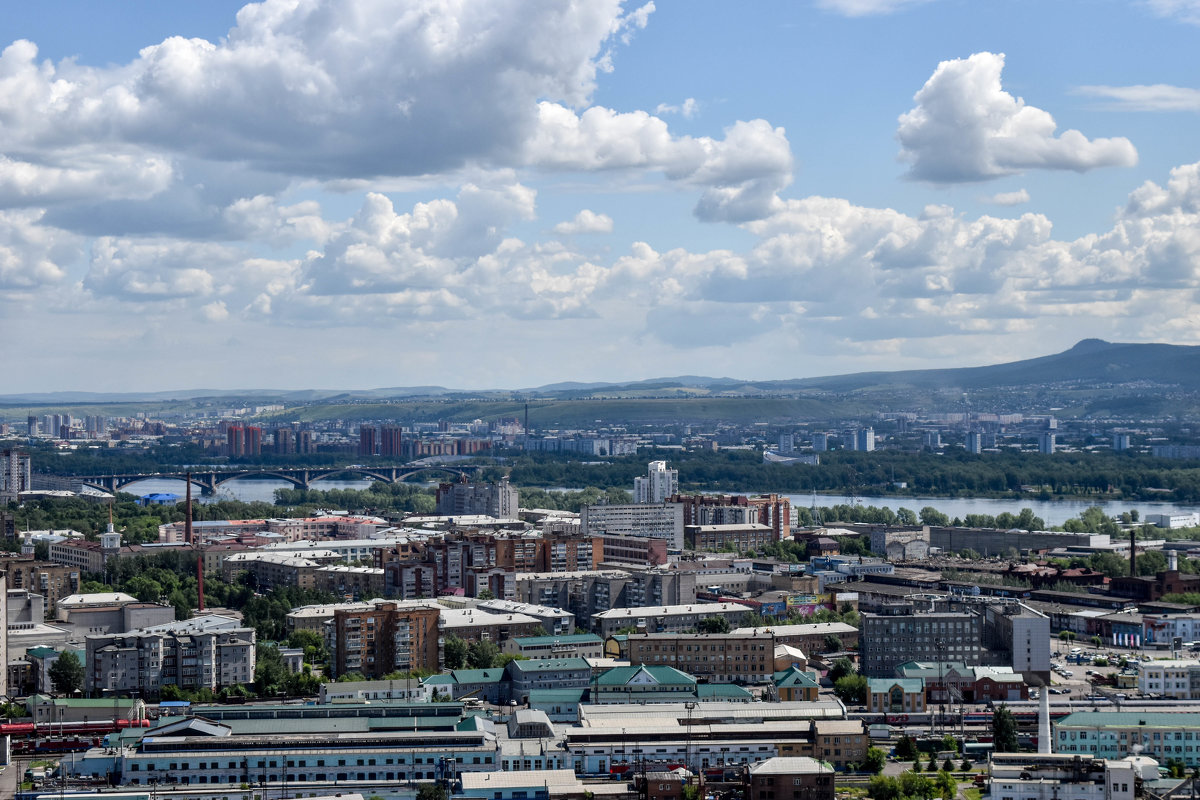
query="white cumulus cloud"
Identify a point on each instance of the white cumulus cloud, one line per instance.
(965, 127)
(1014, 198)
(586, 221)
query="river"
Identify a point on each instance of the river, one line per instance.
(1054, 512)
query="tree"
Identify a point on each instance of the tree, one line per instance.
(948, 767)
(852, 689)
(965, 766)
(874, 760)
(913, 784)
(431, 791)
(482, 654)
(1066, 636)
(840, 669)
(950, 743)
(66, 673)
(931, 516)
(713, 624)
(1004, 730)
(945, 785)
(487, 594)
(832, 643)
(883, 787)
(906, 748)
(313, 644)
(454, 652)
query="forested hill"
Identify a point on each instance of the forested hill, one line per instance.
(1091, 361)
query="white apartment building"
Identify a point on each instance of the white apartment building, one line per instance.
(659, 484)
(650, 520)
(1179, 679)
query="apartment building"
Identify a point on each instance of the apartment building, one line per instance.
(651, 520)
(738, 537)
(667, 619)
(384, 636)
(554, 620)
(360, 583)
(810, 637)
(580, 645)
(499, 500)
(208, 652)
(268, 570)
(889, 641)
(716, 657)
(53, 581)
(772, 510)
(588, 593)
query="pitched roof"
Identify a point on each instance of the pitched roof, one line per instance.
(643, 673)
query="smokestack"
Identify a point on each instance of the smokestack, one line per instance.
(1132, 553)
(187, 519)
(1173, 561)
(1044, 743)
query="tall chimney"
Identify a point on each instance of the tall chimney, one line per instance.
(1132, 553)
(1173, 561)
(187, 519)
(1044, 743)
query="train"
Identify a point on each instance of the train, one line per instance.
(44, 736)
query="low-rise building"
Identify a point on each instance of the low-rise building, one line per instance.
(791, 778)
(1060, 776)
(716, 657)
(546, 673)
(1115, 734)
(581, 645)
(1177, 679)
(896, 695)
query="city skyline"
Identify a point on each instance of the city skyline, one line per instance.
(304, 195)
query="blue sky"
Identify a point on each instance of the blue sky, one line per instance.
(502, 193)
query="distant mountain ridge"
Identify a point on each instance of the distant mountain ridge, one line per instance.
(1090, 361)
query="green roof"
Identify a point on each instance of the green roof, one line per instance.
(41, 651)
(439, 680)
(908, 685)
(571, 638)
(621, 676)
(927, 669)
(1155, 719)
(573, 695)
(794, 677)
(462, 676)
(721, 691)
(550, 664)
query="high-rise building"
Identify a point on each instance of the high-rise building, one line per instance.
(391, 441)
(974, 442)
(304, 442)
(933, 439)
(15, 475)
(864, 439)
(367, 440)
(285, 441)
(1120, 441)
(499, 500)
(659, 484)
(235, 441)
(253, 441)
(32, 422)
(820, 442)
(384, 636)
(1046, 443)
(787, 443)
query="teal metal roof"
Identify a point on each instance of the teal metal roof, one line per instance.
(721, 691)
(621, 676)
(573, 638)
(1131, 719)
(550, 664)
(573, 695)
(795, 677)
(907, 685)
(462, 676)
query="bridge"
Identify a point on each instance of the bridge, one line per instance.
(302, 478)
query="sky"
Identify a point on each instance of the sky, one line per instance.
(509, 193)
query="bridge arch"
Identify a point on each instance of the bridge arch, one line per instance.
(220, 478)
